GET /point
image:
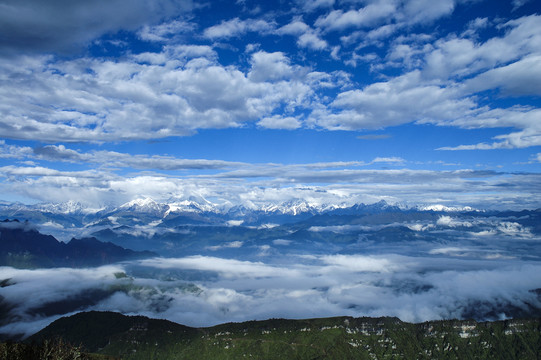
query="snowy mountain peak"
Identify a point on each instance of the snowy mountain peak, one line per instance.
(68, 207)
(143, 205)
(191, 206)
(443, 208)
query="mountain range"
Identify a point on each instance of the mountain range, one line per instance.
(175, 207)
(190, 226)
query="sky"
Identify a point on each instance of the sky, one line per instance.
(249, 102)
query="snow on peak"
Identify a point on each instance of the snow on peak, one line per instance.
(68, 207)
(439, 207)
(190, 206)
(143, 205)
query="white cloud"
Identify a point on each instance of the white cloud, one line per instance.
(519, 78)
(306, 36)
(425, 11)
(474, 26)
(359, 263)
(281, 242)
(398, 101)
(162, 95)
(507, 63)
(388, 160)
(237, 27)
(313, 41)
(312, 5)
(111, 159)
(256, 185)
(519, 3)
(164, 31)
(13, 151)
(228, 245)
(270, 67)
(448, 221)
(278, 122)
(369, 15)
(514, 229)
(525, 118)
(228, 268)
(384, 12)
(461, 57)
(38, 171)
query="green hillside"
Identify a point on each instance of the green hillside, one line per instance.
(333, 338)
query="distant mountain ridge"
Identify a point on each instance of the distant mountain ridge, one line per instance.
(177, 228)
(138, 337)
(23, 246)
(148, 205)
(195, 211)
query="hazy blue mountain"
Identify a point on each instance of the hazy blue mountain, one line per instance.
(21, 245)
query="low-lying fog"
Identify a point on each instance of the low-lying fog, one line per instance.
(207, 290)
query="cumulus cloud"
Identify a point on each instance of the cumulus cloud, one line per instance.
(398, 101)
(381, 12)
(165, 31)
(369, 15)
(13, 151)
(457, 56)
(436, 85)
(312, 5)
(271, 67)
(237, 27)
(165, 93)
(278, 122)
(162, 94)
(516, 79)
(306, 36)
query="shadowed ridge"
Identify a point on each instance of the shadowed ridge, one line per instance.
(138, 337)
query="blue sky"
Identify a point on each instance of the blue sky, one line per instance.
(251, 102)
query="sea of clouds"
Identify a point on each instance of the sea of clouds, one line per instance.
(207, 290)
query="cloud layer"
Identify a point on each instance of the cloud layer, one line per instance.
(254, 185)
(413, 288)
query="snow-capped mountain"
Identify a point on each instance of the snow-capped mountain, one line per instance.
(191, 205)
(143, 205)
(443, 208)
(201, 205)
(68, 207)
(300, 206)
(199, 210)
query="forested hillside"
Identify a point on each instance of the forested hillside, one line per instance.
(333, 338)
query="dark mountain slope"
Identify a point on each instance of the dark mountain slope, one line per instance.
(23, 246)
(333, 338)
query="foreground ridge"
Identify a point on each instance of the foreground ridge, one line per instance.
(138, 337)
